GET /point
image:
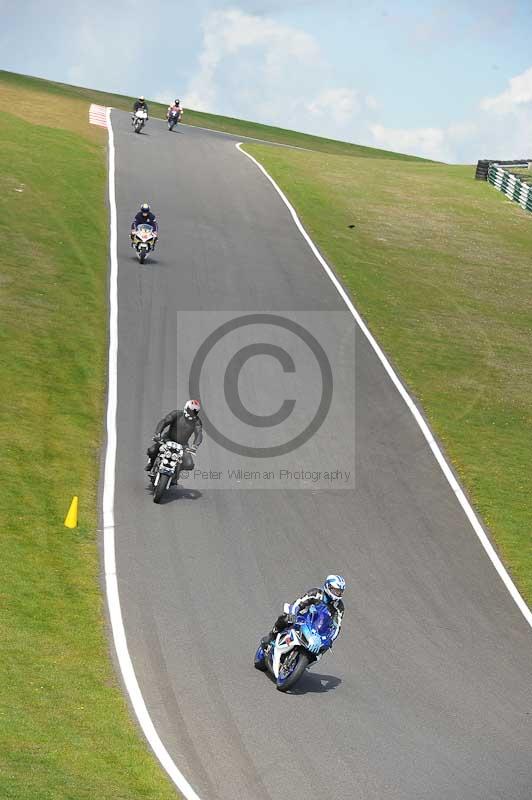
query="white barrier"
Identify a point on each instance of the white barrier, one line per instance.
(511, 185)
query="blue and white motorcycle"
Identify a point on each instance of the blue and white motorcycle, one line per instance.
(298, 646)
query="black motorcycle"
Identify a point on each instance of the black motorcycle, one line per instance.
(166, 467)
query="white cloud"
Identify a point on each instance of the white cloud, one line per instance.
(341, 104)
(439, 144)
(228, 33)
(165, 96)
(428, 142)
(255, 67)
(502, 128)
(517, 95)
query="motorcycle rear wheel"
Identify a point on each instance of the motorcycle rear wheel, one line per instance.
(302, 663)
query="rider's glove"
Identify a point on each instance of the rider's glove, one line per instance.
(192, 448)
(157, 437)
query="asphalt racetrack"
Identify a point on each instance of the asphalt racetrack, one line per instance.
(427, 692)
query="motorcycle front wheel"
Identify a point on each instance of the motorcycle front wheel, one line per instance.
(293, 673)
(160, 489)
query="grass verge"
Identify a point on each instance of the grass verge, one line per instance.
(65, 731)
(439, 264)
(12, 84)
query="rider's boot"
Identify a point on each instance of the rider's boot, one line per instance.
(266, 641)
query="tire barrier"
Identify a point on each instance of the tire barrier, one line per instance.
(485, 163)
(482, 170)
(511, 185)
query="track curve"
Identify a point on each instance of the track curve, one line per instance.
(428, 690)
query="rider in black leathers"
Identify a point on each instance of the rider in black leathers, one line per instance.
(140, 103)
(144, 216)
(180, 426)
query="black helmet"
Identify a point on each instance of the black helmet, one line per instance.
(145, 209)
(176, 102)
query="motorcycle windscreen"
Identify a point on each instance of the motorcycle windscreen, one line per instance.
(145, 227)
(322, 622)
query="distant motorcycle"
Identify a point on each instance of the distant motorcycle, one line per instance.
(298, 646)
(138, 119)
(166, 465)
(173, 119)
(143, 240)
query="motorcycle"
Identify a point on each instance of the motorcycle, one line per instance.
(138, 119)
(298, 646)
(173, 119)
(143, 240)
(166, 465)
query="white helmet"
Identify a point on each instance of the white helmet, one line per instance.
(191, 409)
(334, 587)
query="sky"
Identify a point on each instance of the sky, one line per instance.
(448, 80)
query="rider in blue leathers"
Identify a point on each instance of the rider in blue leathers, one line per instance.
(144, 216)
(330, 593)
(140, 103)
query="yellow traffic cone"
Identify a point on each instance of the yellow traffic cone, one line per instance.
(71, 519)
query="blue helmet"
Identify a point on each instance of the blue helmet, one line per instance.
(334, 587)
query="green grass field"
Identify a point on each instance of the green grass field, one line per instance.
(440, 266)
(65, 730)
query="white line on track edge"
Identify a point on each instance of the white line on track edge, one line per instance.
(438, 455)
(111, 581)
